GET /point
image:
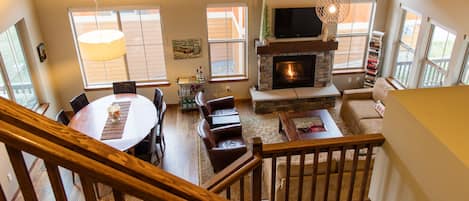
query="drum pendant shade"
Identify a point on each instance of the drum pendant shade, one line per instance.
(102, 45)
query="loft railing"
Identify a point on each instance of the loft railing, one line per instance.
(432, 76)
(297, 171)
(325, 169)
(22, 130)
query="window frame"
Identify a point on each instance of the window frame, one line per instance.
(5, 76)
(465, 67)
(229, 41)
(352, 35)
(400, 43)
(426, 60)
(116, 9)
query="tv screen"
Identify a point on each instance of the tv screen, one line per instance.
(297, 22)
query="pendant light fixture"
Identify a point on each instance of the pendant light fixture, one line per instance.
(101, 44)
(331, 12)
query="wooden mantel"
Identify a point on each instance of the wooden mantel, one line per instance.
(297, 47)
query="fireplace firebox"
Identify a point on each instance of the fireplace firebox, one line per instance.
(293, 71)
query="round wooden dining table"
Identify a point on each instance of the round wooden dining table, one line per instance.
(141, 118)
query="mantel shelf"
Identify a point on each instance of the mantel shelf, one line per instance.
(297, 47)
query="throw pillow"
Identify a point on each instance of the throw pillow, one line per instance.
(380, 108)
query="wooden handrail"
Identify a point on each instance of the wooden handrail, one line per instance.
(24, 130)
(297, 147)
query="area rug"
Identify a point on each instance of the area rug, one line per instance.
(263, 126)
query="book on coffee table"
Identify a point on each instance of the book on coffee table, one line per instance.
(309, 124)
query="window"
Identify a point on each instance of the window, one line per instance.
(465, 72)
(439, 52)
(15, 79)
(227, 33)
(144, 61)
(353, 35)
(407, 44)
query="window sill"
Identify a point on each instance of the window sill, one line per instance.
(395, 83)
(41, 108)
(348, 71)
(229, 79)
(139, 85)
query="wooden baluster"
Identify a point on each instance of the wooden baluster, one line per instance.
(367, 171)
(301, 174)
(56, 181)
(353, 173)
(328, 174)
(273, 177)
(118, 196)
(314, 175)
(88, 189)
(22, 174)
(2, 194)
(287, 183)
(228, 193)
(341, 173)
(256, 177)
(241, 188)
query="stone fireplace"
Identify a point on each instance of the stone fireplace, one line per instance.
(309, 62)
(294, 75)
(293, 71)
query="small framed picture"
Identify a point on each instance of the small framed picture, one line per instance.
(41, 51)
(187, 49)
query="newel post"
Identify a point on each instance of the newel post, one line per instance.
(256, 177)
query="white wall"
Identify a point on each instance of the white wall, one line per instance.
(22, 13)
(181, 19)
(425, 156)
(452, 14)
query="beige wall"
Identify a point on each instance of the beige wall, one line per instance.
(22, 13)
(181, 19)
(425, 154)
(451, 14)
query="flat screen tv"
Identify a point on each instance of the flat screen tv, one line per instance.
(297, 22)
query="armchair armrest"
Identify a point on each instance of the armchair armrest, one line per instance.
(366, 93)
(221, 103)
(234, 130)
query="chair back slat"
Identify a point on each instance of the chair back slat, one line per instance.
(88, 188)
(56, 181)
(79, 102)
(158, 99)
(22, 174)
(128, 87)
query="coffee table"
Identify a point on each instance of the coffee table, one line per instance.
(328, 129)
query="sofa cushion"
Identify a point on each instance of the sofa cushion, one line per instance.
(370, 126)
(362, 109)
(381, 89)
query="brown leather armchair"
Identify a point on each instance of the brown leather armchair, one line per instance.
(216, 107)
(224, 144)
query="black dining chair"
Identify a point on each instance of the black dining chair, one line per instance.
(158, 99)
(160, 134)
(79, 102)
(129, 87)
(62, 118)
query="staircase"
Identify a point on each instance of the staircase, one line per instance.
(22, 130)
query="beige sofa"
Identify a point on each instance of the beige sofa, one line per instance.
(280, 178)
(358, 107)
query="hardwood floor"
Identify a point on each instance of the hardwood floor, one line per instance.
(180, 158)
